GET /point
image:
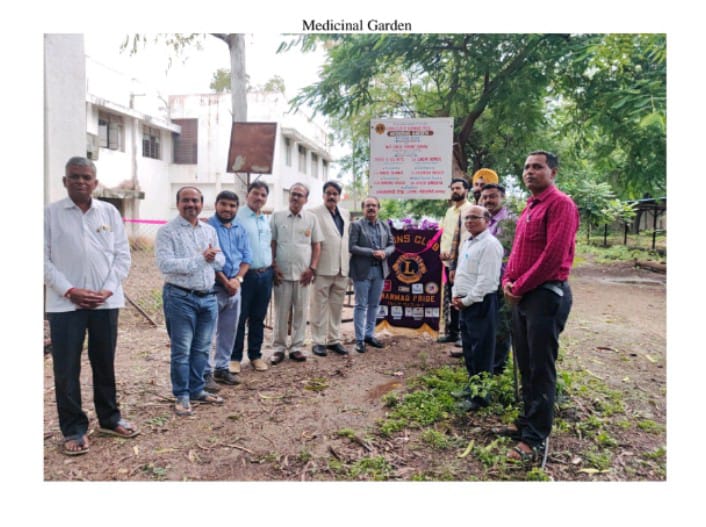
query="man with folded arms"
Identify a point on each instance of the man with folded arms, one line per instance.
(535, 284)
(86, 258)
(188, 255)
(296, 245)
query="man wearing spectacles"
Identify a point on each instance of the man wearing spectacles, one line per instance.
(474, 295)
(370, 244)
(296, 247)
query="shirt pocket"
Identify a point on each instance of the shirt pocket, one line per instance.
(535, 228)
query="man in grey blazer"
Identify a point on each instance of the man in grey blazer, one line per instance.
(329, 288)
(370, 244)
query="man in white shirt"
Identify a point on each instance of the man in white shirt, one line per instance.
(86, 258)
(474, 295)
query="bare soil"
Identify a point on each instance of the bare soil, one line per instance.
(299, 421)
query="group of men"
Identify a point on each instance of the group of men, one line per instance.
(220, 274)
(532, 282)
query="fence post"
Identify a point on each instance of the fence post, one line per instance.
(654, 227)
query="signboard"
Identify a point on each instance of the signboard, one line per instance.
(411, 298)
(411, 158)
(252, 148)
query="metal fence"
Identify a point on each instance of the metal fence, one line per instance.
(647, 231)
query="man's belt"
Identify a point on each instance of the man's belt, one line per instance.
(193, 291)
(259, 270)
(555, 286)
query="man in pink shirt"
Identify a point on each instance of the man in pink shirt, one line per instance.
(535, 284)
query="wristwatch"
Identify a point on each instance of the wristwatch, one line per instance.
(239, 278)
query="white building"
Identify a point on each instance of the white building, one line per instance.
(145, 145)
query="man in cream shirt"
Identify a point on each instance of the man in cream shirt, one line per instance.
(332, 274)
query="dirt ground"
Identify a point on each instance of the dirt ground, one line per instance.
(286, 423)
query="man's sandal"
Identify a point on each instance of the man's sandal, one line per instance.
(527, 455)
(79, 441)
(123, 429)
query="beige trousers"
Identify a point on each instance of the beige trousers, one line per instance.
(325, 309)
(290, 295)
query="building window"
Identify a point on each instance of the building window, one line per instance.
(324, 169)
(111, 131)
(302, 159)
(186, 143)
(314, 165)
(150, 142)
(287, 152)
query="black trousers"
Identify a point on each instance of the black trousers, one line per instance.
(478, 325)
(503, 335)
(451, 315)
(537, 321)
(68, 332)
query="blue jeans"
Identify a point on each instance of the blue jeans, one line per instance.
(256, 292)
(228, 315)
(367, 302)
(191, 320)
(68, 332)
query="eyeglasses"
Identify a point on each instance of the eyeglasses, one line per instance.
(296, 195)
(469, 218)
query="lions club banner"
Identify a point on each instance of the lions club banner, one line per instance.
(411, 297)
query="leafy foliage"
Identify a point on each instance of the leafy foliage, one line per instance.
(597, 100)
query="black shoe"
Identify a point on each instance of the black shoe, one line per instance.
(360, 347)
(472, 405)
(225, 377)
(447, 338)
(459, 343)
(456, 354)
(375, 343)
(210, 383)
(337, 348)
(318, 349)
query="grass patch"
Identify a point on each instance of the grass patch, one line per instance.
(650, 426)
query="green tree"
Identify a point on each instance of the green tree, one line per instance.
(221, 81)
(596, 100)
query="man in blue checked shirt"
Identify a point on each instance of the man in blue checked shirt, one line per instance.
(236, 249)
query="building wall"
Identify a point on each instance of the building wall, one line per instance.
(64, 109)
(213, 112)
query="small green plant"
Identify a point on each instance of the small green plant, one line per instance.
(304, 456)
(659, 453)
(603, 439)
(376, 468)
(600, 460)
(537, 474)
(650, 426)
(346, 432)
(435, 439)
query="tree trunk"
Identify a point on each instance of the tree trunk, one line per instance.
(238, 78)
